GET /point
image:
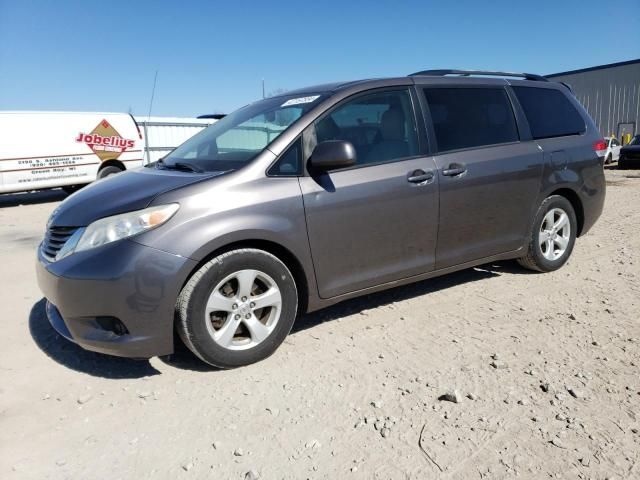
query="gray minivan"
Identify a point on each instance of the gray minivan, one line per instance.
(299, 201)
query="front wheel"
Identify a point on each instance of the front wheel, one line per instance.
(237, 308)
(553, 235)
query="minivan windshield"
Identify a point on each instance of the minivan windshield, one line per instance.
(635, 140)
(235, 140)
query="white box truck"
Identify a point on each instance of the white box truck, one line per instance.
(64, 149)
(41, 150)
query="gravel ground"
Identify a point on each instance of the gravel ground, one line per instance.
(492, 372)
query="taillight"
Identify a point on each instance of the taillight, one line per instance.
(600, 147)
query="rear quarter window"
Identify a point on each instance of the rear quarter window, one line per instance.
(549, 112)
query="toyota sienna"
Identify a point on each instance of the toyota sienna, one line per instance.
(303, 200)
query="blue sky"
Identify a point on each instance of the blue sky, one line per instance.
(212, 55)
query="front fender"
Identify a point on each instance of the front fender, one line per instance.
(209, 219)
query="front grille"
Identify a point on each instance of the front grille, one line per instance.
(54, 240)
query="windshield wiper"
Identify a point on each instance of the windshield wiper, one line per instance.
(189, 167)
(184, 166)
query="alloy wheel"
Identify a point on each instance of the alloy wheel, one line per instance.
(243, 309)
(555, 233)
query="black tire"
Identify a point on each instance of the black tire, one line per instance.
(108, 170)
(608, 160)
(622, 165)
(190, 307)
(535, 259)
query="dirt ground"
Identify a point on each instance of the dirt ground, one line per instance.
(544, 368)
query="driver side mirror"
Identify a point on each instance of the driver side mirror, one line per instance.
(333, 154)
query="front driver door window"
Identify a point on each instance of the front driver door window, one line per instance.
(380, 126)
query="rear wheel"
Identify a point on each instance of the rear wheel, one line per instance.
(237, 308)
(553, 235)
(609, 159)
(108, 170)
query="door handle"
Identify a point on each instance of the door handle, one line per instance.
(420, 176)
(454, 170)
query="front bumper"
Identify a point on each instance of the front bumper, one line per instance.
(122, 283)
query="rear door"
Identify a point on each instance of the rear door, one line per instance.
(489, 178)
(375, 222)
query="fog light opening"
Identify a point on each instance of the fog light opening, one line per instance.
(113, 325)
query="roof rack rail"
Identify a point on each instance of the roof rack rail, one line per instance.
(568, 86)
(466, 73)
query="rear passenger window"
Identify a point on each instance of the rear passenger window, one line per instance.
(471, 117)
(549, 112)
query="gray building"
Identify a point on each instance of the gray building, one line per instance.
(611, 95)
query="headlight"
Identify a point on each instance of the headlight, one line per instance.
(117, 227)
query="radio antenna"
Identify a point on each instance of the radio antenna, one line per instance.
(153, 91)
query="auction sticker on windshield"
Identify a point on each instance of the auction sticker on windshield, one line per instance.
(300, 100)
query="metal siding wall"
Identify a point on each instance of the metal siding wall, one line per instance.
(610, 95)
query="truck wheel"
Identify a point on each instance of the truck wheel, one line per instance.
(552, 237)
(108, 170)
(237, 308)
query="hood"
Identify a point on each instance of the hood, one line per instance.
(120, 193)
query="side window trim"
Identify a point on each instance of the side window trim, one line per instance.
(479, 147)
(521, 130)
(524, 130)
(425, 137)
(299, 172)
(431, 140)
(310, 139)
